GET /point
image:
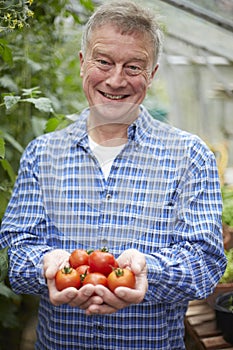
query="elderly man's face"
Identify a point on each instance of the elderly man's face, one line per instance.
(117, 69)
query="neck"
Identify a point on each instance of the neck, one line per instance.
(109, 135)
(108, 123)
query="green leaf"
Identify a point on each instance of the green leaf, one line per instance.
(5, 291)
(7, 82)
(13, 142)
(35, 66)
(3, 264)
(88, 4)
(32, 92)
(44, 104)
(52, 124)
(4, 199)
(6, 53)
(38, 125)
(8, 168)
(11, 101)
(2, 148)
(63, 124)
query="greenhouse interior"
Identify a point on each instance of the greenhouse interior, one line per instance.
(41, 92)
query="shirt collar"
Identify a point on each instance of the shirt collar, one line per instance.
(141, 126)
(137, 131)
(77, 131)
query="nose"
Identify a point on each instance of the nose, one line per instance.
(116, 78)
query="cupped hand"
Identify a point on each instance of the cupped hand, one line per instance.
(54, 261)
(97, 299)
(123, 296)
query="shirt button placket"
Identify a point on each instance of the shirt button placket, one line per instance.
(104, 217)
(108, 196)
(98, 335)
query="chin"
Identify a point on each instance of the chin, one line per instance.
(115, 112)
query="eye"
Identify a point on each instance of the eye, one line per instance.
(133, 70)
(103, 64)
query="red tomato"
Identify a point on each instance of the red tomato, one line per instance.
(121, 278)
(102, 261)
(83, 269)
(95, 278)
(115, 265)
(67, 277)
(78, 257)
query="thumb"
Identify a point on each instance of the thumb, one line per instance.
(54, 261)
(138, 266)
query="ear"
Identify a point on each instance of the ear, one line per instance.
(153, 74)
(81, 59)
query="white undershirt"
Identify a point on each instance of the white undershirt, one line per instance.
(105, 155)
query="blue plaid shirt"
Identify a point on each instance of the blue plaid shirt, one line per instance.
(162, 197)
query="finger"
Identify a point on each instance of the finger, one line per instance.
(134, 259)
(93, 300)
(100, 309)
(139, 266)
(50, 271)
(61, 297)
(128, 295)
(84, 295)
(110, 298)
(53, 261)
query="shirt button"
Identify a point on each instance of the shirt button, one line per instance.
(100, 327)
(108, 196)
(104, 242)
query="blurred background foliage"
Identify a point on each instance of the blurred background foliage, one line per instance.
(40, 90)
(39, 74)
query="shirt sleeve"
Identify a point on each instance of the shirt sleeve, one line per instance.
(195, 261)
(24, 227)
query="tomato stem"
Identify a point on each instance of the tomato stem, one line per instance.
(119, 272)
(104, 249)
(83, 275)
(67, 270)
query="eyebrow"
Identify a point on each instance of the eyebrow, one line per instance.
(132, 59)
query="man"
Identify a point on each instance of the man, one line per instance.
(116, 178)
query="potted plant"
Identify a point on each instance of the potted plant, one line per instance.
(226, 283)
(224, 315)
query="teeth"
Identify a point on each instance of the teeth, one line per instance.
(114, 97)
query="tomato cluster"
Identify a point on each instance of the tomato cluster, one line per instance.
(94, 267)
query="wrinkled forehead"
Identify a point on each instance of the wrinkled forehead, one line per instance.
(123, 27)
(135, 32)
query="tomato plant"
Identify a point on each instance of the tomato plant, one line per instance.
(95, 278)
(67, 277)
(102, 261)
(78, 257)
(121, 278)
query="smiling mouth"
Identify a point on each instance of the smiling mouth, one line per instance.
(113, 97)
